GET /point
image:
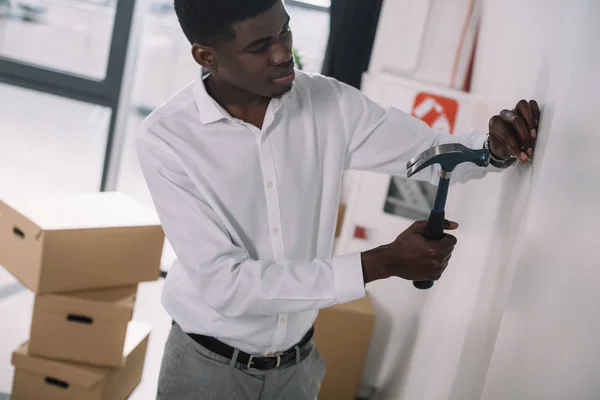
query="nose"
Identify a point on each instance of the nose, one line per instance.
(281, 54)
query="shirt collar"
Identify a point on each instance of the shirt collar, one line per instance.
(211, 111)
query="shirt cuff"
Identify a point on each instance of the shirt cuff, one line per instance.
(348, 277)
(478, 144)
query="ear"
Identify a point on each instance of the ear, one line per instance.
(205, 56)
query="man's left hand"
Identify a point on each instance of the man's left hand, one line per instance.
(513, 133)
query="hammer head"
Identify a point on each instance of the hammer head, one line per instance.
(448, 156)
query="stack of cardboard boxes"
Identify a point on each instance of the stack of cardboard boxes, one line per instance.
(83, 256)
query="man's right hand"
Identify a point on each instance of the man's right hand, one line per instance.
(410, 256)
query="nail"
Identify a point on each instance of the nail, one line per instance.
(530, 152)
(533, 133)
(523, 156)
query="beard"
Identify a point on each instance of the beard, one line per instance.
(283, 93)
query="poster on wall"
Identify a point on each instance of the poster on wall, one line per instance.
(409, 198)
(438, 112)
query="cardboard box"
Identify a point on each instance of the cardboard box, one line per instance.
(67, 242)
(340, 219)
(84, 327)
(342, 336)
(40, 378)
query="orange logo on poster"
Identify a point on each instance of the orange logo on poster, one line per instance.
(437, 111)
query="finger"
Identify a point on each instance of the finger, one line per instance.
(447, 255)
(447, 261)
(444, 266)
(444, 246)
(440, 254)
(535, 109)
(450, 225)
(418, 226)
(503, 137)
(524, 110)
(446, 243)
(504, 148)
(437, 274)
(518, 127)
(511, 144)
(433, 266)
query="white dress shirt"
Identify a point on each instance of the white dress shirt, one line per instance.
(251, 213)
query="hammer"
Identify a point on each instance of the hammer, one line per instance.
(448, 156)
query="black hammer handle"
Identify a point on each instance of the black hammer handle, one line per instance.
(433, 231)
(435, 224)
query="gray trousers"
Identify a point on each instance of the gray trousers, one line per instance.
(190, 371)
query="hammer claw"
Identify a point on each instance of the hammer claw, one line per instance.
(448, 156)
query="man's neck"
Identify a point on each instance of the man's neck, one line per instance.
(240, 104)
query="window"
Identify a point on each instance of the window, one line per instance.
(50, 143)
(320, 3)
(311, 32)
(69, 36)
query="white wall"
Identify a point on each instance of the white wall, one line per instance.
(547, 345)
(476, 334)
(529, 56)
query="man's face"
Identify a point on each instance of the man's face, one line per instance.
(259, 60)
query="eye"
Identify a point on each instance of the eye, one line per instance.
(260, 49)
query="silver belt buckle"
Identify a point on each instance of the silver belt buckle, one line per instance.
(278, 356)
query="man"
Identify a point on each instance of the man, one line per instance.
(245, 169)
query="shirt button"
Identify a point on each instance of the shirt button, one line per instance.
(270, 184)
(276, 230)
(282, 321)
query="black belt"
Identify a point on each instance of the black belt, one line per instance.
(248, 360)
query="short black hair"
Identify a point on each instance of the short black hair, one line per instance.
(208, 22)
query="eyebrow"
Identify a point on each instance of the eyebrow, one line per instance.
(265, 39)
